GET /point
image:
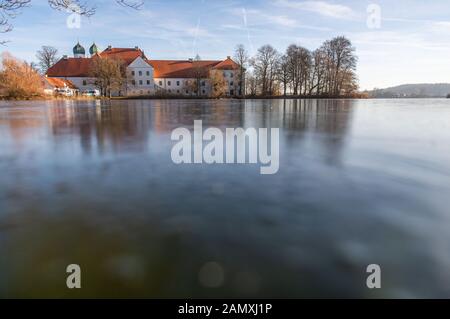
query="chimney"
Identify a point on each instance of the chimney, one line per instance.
(229, 57)
(109, 47)
(191, 60)
(136, 48)
(65, 57)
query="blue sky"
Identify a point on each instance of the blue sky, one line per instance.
(412, 44)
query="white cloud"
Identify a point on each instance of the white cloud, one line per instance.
(337, 11)
(256, 17)
(441, 27)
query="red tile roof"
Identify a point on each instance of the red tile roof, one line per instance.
(72, 67)
(181, 69)
(227, 64)
(125, 54)
(60, 83)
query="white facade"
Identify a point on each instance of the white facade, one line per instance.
(188, 86)
(83, 84)
(140, 78)
(183, 86)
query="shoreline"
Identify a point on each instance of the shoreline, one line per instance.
(289, 97)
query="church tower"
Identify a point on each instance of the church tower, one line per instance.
(93, 50)
(78, 51)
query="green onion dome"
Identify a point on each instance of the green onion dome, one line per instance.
(79, 50)
(93, 49)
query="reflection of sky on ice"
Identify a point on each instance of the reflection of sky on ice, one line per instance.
(360, 182)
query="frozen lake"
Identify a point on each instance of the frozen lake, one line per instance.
(92, 183)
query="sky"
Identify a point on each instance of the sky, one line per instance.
(397, 42)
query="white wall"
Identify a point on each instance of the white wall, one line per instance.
(232, 78)
(182, 86)
(140, 78)
(173, 86)
(83, 84)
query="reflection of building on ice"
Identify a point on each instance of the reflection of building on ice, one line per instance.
(146, 77)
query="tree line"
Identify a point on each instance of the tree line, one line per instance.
(329, 71)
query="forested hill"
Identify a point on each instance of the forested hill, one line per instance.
(413, 91)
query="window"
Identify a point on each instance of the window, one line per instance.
(170, 91)
(169, 83)
(133, 73)
(84, 82)
(178, 91)
(148, 82)
(160, 83)
(140, 82)
(231, 74)
(203, 83)
(224, 74)
(187, 92)
(231, 83)
(148, 73)
(203, 92)
(133, 82)
(140, 73)
(231, 92)
(178, 83)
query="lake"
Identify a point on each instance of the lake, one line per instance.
(92, 183)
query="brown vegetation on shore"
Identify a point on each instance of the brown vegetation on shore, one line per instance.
(18, 79)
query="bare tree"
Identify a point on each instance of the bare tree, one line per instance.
(283, 73)
(299, 63)
(18, 79)
(327, 71)
(47, 57)
(9, 9)
(341, 61)
(199, 73)
(252, 85)
(109, 75)
(219, 84)
(85, 8)
(265, 68)
(242, 58)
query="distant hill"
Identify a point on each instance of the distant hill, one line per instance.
(413, 91)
